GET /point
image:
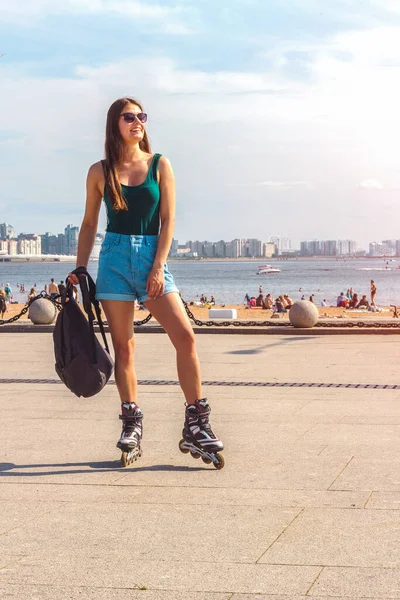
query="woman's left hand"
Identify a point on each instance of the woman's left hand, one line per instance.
(155, 283)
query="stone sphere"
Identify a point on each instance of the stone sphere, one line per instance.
(303, 314)
(42, 312)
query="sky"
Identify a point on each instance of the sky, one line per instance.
(280, 117)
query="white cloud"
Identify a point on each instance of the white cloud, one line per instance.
(371, 184)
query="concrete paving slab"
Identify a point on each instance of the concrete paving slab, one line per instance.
(257, 470)
(384, 501)
(12, 517)
(124, 494)
(47, 592)
(111, 571)
(358, 583)
(353, 435)
(333, 537)
(346, 406)
(272, 597)
(223, 534)
(373, 474)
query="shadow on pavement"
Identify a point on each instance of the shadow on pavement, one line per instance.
(104, 467)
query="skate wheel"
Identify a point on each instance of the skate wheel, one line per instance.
(208, 461)
(220, 464)
(195, 455)
(124, 459)
(184, 450)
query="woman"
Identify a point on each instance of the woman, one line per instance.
(31, 294)
(373, 292)
(354, 300)
(139, 193)
(8, 292)
(3, 304)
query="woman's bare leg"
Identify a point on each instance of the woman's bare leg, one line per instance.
(120, 320)
(170, 313)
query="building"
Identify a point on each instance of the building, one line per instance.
(328, 248)
(253, 248)
(220, 249)
(282, 244)
(71, 233)
(174, 246)
(29, 244)
(269, 249)
(7, 231)
(49, 243)
(237, 248)
(208, 250)
(385, 248)
(346, 248)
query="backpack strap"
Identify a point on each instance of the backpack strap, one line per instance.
(88, 291)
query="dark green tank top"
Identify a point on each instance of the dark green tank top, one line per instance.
(143, 201)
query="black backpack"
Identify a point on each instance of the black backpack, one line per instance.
(81, 362)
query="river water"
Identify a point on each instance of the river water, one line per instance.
(230, 280)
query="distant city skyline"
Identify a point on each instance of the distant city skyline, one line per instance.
(66, 243)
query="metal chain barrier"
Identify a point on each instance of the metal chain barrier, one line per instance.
(343, 323)
(42, 294)
(199, 323)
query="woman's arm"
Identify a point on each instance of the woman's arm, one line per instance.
(167, 212)
(155, 281)
(88, 229)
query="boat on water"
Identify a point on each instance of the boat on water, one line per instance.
(267, 270)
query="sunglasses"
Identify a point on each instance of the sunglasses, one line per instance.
(129, 117)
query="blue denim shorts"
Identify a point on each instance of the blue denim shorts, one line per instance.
(125, 262)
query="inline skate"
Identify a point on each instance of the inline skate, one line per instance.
(198, 437)
(131, 436)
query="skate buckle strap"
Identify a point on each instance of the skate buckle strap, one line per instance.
(131, 418)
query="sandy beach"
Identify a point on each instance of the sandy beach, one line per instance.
(201, 312)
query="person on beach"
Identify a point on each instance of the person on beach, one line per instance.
(61, 287)
(247, 299)
(312, 298)
(323, 302)
(279, 308)
(3, 304)
(288, 300)
(268, 302)
(31, 294)
(53, 289)
(341, 300)
(354, 301)
(260, 300)
(363, 302)
(373, 292)
(8, 293)
(138, 190)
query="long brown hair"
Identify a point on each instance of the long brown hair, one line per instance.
(114, 146)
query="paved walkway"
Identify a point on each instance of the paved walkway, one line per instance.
(308, 503)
